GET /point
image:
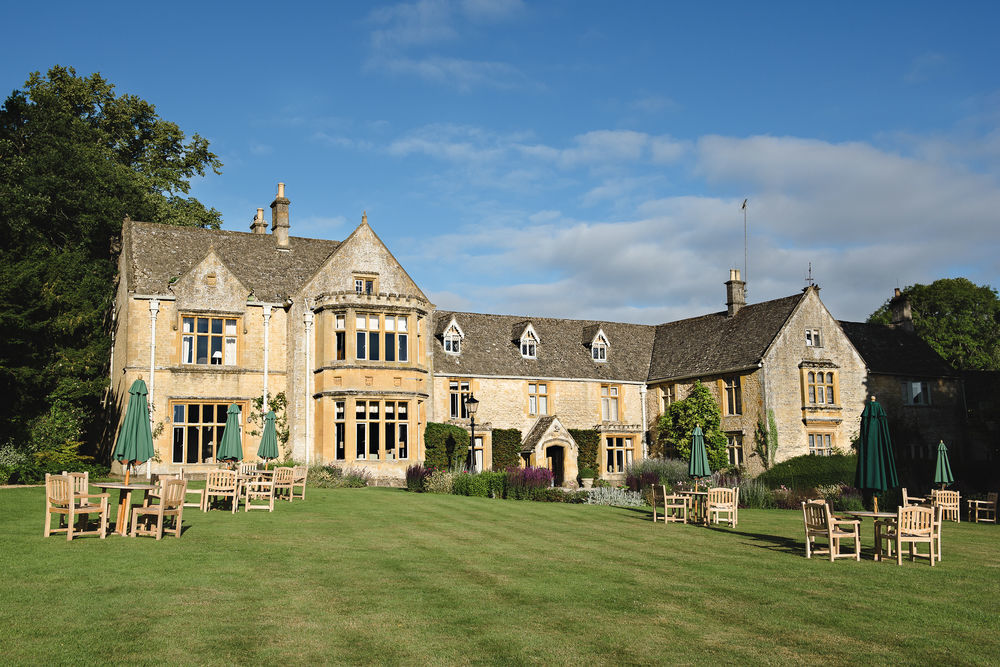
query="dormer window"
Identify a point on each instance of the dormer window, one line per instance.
(529, 345)
(599, 348)
(364, 284)
(452, 338)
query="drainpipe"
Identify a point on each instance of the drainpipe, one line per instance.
(307, 320)
(267, 353)
(642, 400)
(154, 308)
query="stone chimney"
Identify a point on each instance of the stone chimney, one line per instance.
(736, 295)
(899, 308)
(258, 226)
(279, 218)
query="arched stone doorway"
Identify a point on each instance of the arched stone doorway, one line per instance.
(549, 445)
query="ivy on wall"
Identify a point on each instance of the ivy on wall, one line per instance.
(445, 445)
(588, 442)
(506, 448)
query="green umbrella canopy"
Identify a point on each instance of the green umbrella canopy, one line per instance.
(231, 447)
(942, 471)
(876, 464)
(698, 463)
(268, 449)
(135, 440)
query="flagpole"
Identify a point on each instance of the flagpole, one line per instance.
(745, 268)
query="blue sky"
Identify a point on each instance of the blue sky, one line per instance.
(583, 159)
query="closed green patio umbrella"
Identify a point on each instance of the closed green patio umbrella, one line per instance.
(268, 449)
(876, 470)
(942, 470)
(231, 447)
(135, 439)
(698, 463)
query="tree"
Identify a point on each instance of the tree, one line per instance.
(75, 160)
(675, 426)
(956, 317)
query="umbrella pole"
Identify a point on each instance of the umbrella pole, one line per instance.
(876, 502)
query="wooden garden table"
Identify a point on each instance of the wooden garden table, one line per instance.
(877, 516)
(698, 500)
(124, 501)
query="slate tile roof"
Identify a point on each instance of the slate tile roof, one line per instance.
(155, 253)
(716, 343)
(537, 431)
(895, 351)
(489, 348)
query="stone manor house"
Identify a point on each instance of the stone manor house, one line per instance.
(209, 318)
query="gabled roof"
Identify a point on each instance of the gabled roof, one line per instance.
(156, 253)
(591, 332)
(718, 343)
(894, 351)
(520, 331)
(489, 350)
(539, 428)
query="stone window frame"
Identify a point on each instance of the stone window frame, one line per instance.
(734, 448)
(220, 414)
(459, 390)
(820, 386)
(370, 424)
(224, 336)
(821, 443)
(613, 444)
(909, 396)
(538, 398)
(374, 327)
(609, 393)
(731, 395)
(599, 348)
(365, 283)
(814, 337)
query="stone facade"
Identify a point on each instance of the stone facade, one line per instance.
(365, 361)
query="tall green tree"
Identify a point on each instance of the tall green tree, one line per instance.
(675, 426)
(959, 319)
(75, 160)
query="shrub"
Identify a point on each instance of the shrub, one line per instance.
(609, 495)
(506, 448)
(551, 495)
(850, 500)
(809, 472)
(465, 484)
(792, 499)
(524, 483)
(416, 478)
(674, 427)
(445, 445)
(334, 477)
(440, 481)
(669, 472)
(496, 482)
(754, 494)
(587, 473)
(588, 442)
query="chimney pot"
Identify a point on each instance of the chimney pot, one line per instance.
(899, 309)
(281, 189)
(279, 218)
(735, 293)
(258, 226)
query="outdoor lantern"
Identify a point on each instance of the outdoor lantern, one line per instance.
(471, 405)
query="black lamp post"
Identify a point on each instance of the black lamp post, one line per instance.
(471, 405)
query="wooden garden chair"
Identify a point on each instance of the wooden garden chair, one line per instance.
(914, 525)
(675, 509)
(299, 476)
(819, 522)
(950, 502)
(283, 482)
(259, 490)
(248, 468)
(221, 484)
(984, 510)
(172, 496)
(912, 500)
(659, 500)
(60, 500)
(723, 501)
(196, 493)
(81, 486)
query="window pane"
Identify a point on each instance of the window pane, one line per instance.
(202, 349)
(812, 393)
(192, 445)
(390, 323)
(543, 389)
(207, 443)
(202, 325)
(373, 322)
(216, 326)
(178, 449)
(216, 350)
(230, 327)
(532, 405)
(230, 357)
(341, 321)
(194, 410)
(402, 407)
(362, 338)
(359, 448)
(373, 410)
(340, 441)
(401, 324)
(403, 440)
(373, 440)
(341, 346)
(360, 410)
(187, 350)
(403, 352)
(178, 414)
(360, 321)
(543, 405)
(829, 394)
(390, 347)
(221, 410)
(373, 351)
(188, 326)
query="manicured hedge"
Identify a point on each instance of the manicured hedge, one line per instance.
(588, 440)
(808, 472)
(444, 445)
(506, 448)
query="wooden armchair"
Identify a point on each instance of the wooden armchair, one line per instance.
(221, 484)
(172, 496)
(259, 490)
(912, 500)
(197, 493)
(61, 500)
(283, 482)
(950, 502)
(914, 525)
(299, 476)
(659, 496)
(819, 522)
(984, 510)
(675, 509)
(723, 501)
(248, 468)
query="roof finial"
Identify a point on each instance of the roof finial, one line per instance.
(364, 217)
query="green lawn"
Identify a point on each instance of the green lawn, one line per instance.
(385, 576)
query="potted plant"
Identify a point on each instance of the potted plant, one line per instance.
(587, 476)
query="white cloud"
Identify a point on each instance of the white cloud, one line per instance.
(410, 24)
(457, 72)
(926, 66)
